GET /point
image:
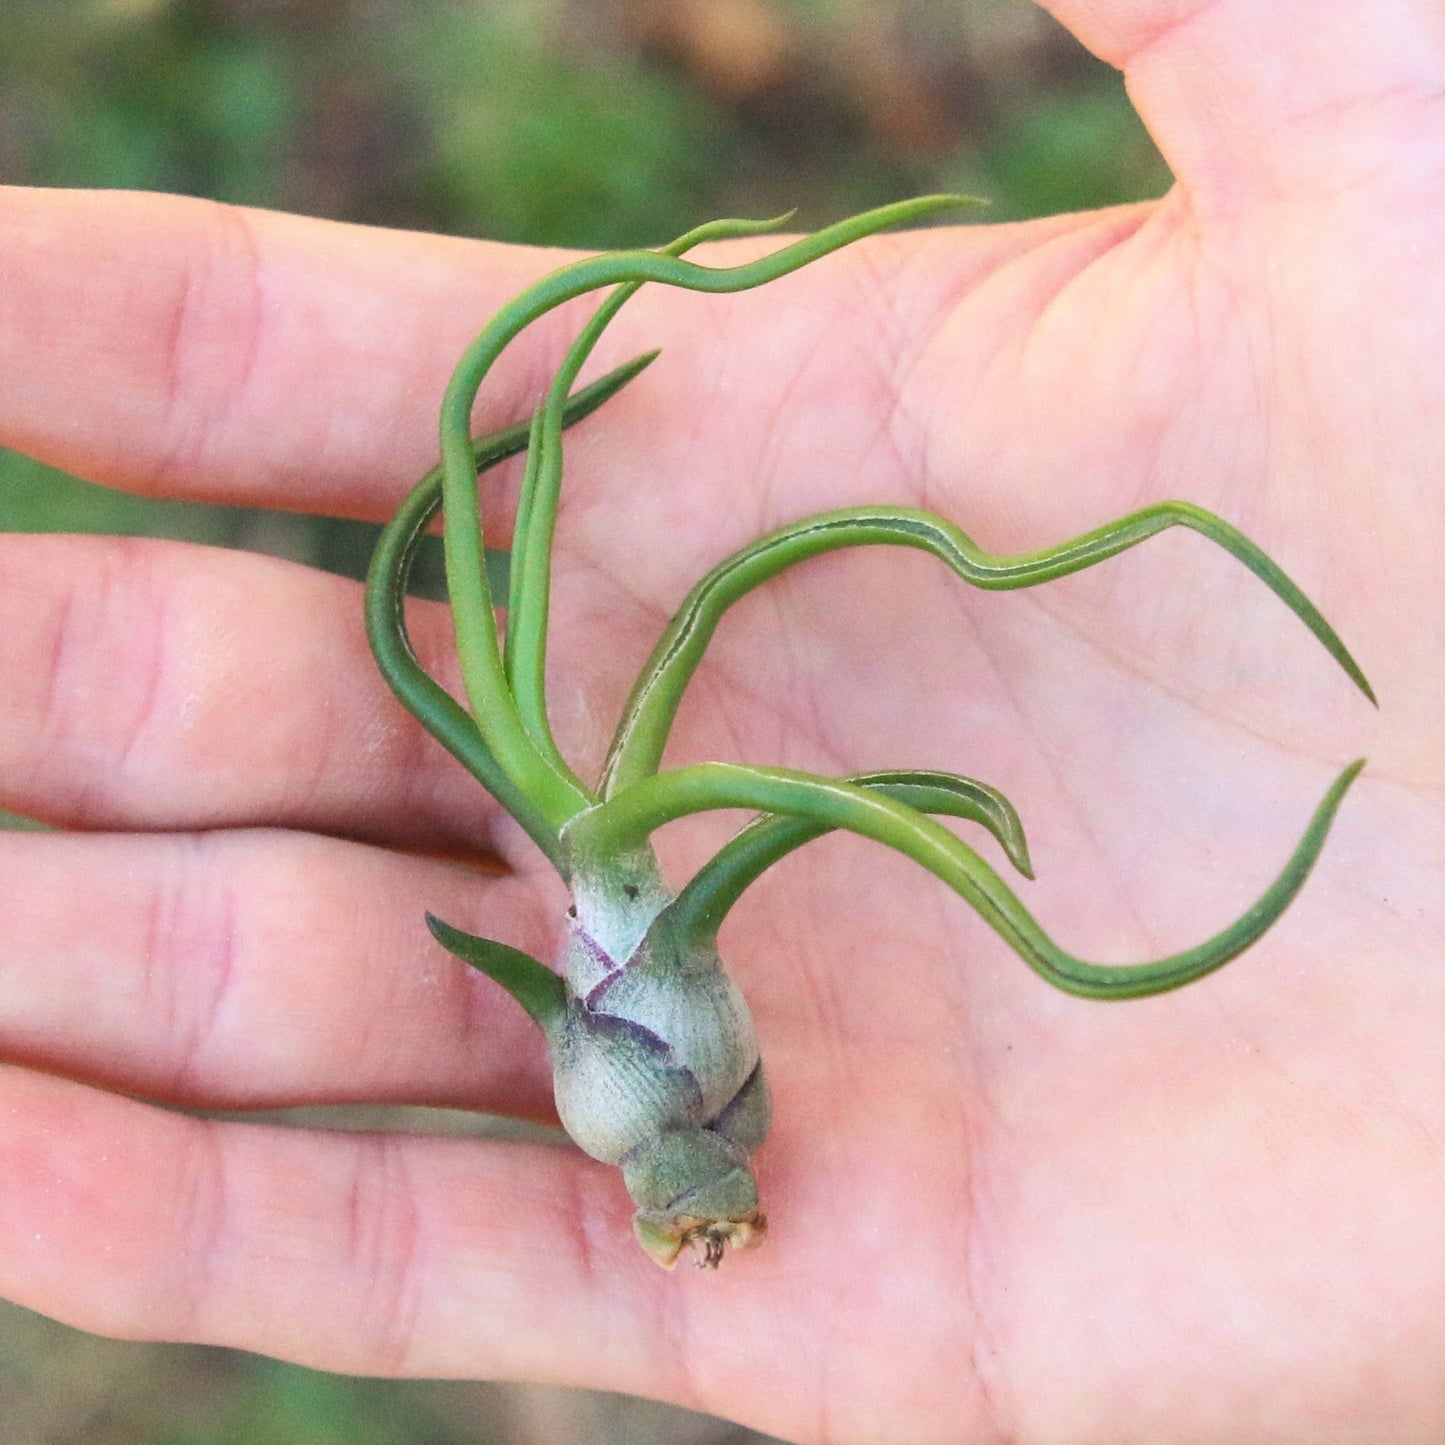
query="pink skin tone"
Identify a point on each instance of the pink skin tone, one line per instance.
(997, 1212)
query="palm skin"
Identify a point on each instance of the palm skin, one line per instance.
(995, 1211)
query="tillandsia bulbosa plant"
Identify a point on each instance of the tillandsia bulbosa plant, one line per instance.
(654, 1057)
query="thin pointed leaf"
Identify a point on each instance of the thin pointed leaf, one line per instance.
(524, 657)
(540, 991)
(386, 585)
(632, 816)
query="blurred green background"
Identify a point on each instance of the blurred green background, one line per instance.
(585, 123)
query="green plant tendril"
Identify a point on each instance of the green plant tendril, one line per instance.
(520, 528)
(647, 719)
(633, 815)
(525, 654)
(708, 897)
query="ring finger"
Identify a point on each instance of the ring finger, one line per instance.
(261, 968)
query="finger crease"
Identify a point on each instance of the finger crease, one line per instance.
(203, 1215)
(383, 1242)
(213, 342)
(150, 685)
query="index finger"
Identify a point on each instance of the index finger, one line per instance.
(180, 347)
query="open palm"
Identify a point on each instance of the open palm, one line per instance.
(995, 1210)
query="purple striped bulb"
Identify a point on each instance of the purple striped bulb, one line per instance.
(656, 1069)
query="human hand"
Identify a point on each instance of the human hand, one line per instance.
(1209, 1215)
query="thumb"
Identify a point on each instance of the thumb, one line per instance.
(1254, 98)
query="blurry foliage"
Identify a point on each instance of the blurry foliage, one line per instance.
(567, 122)
(564, 122)
(1067, 152)
(522, 136)
(62, 1387)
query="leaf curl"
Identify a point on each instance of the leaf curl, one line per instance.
(551, 791)
(631, 816)
(712, 891)
(647, 719)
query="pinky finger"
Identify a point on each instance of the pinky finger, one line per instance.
(380, 1254)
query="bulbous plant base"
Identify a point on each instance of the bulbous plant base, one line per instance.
(656, 1069)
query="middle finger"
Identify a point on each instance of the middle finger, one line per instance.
(165, 685)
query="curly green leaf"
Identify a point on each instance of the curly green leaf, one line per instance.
(524, 657)
(647, 720)
(632, 816)
(386, 586)
(700, 908)
(483, 671)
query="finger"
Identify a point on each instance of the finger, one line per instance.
(372, 1255)
(377, 1255)
(260, 969)
(1244, 96)
(183, 348)
(161, 685)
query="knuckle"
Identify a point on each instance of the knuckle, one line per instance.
(212, 331)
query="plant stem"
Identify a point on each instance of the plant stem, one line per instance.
(386, 586)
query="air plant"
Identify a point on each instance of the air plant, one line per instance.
(654, 1056)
